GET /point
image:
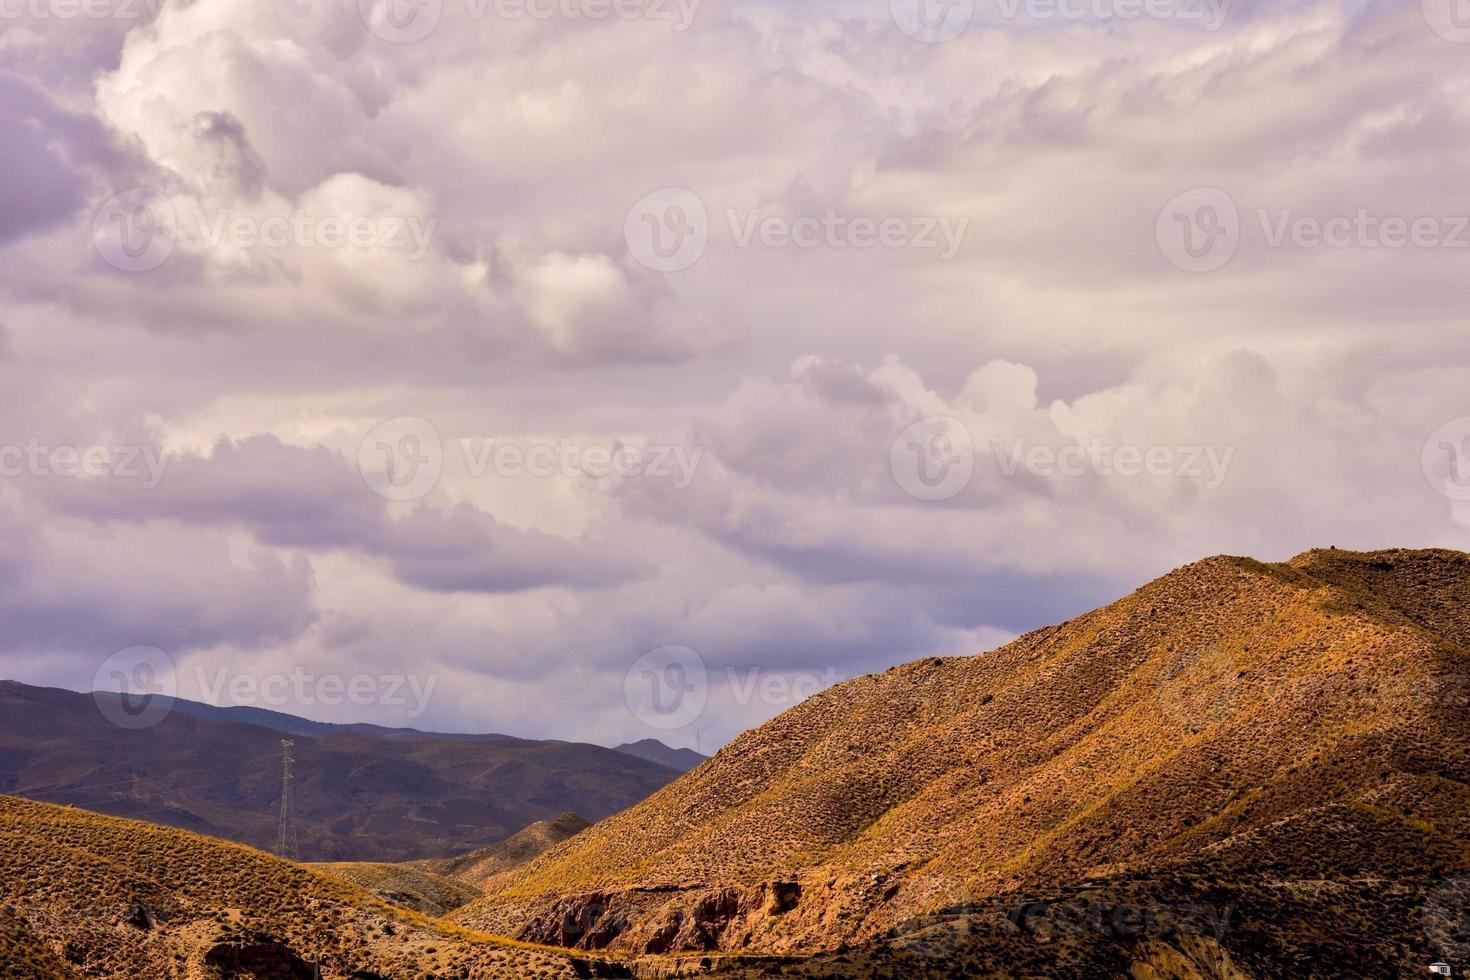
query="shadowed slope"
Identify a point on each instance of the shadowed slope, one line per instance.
(358, 796)
(1303, 720)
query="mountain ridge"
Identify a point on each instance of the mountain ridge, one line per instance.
(358, 797)
(1230, 701)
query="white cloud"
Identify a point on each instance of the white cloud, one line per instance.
(519, 313)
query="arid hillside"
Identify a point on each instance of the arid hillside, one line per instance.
(437, 886)
(478, 866)
(358, 796)
(1263, 735)
(94, 896)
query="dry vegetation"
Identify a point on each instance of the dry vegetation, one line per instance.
(1239, 771)
(87, 895)
(1271, 728)
(479, 866)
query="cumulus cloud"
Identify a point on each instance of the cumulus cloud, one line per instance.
(894, 449)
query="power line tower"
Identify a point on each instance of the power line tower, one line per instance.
(286, 835)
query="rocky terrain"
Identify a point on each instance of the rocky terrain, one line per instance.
(1289, 740)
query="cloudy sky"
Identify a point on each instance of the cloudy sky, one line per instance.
(609, 370)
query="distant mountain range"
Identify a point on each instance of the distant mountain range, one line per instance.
(652, 750)
(362, 792)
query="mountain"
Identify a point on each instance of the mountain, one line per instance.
(1258, 770)
(652, 750)
(358, 797)
(292, 725)
(477, 867)
(437, 886)
(403, 885)
(87, 895)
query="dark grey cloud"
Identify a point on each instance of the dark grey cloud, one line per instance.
(312, 498)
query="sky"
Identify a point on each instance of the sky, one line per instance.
(621, 369)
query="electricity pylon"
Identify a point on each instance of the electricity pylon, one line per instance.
(286, 835)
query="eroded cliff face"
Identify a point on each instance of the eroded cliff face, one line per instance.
(663, 920)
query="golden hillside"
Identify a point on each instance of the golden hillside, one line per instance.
(88, 895)
(1233, 721)
(437, 886)
(478, 866)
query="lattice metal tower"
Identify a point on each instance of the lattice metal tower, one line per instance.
(286, 836)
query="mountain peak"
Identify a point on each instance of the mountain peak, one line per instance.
(1221, 717)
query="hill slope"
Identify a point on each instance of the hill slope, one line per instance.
(1237, 722)
(477, 867)
(358, 796)
(437, 886)
(88, 895)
